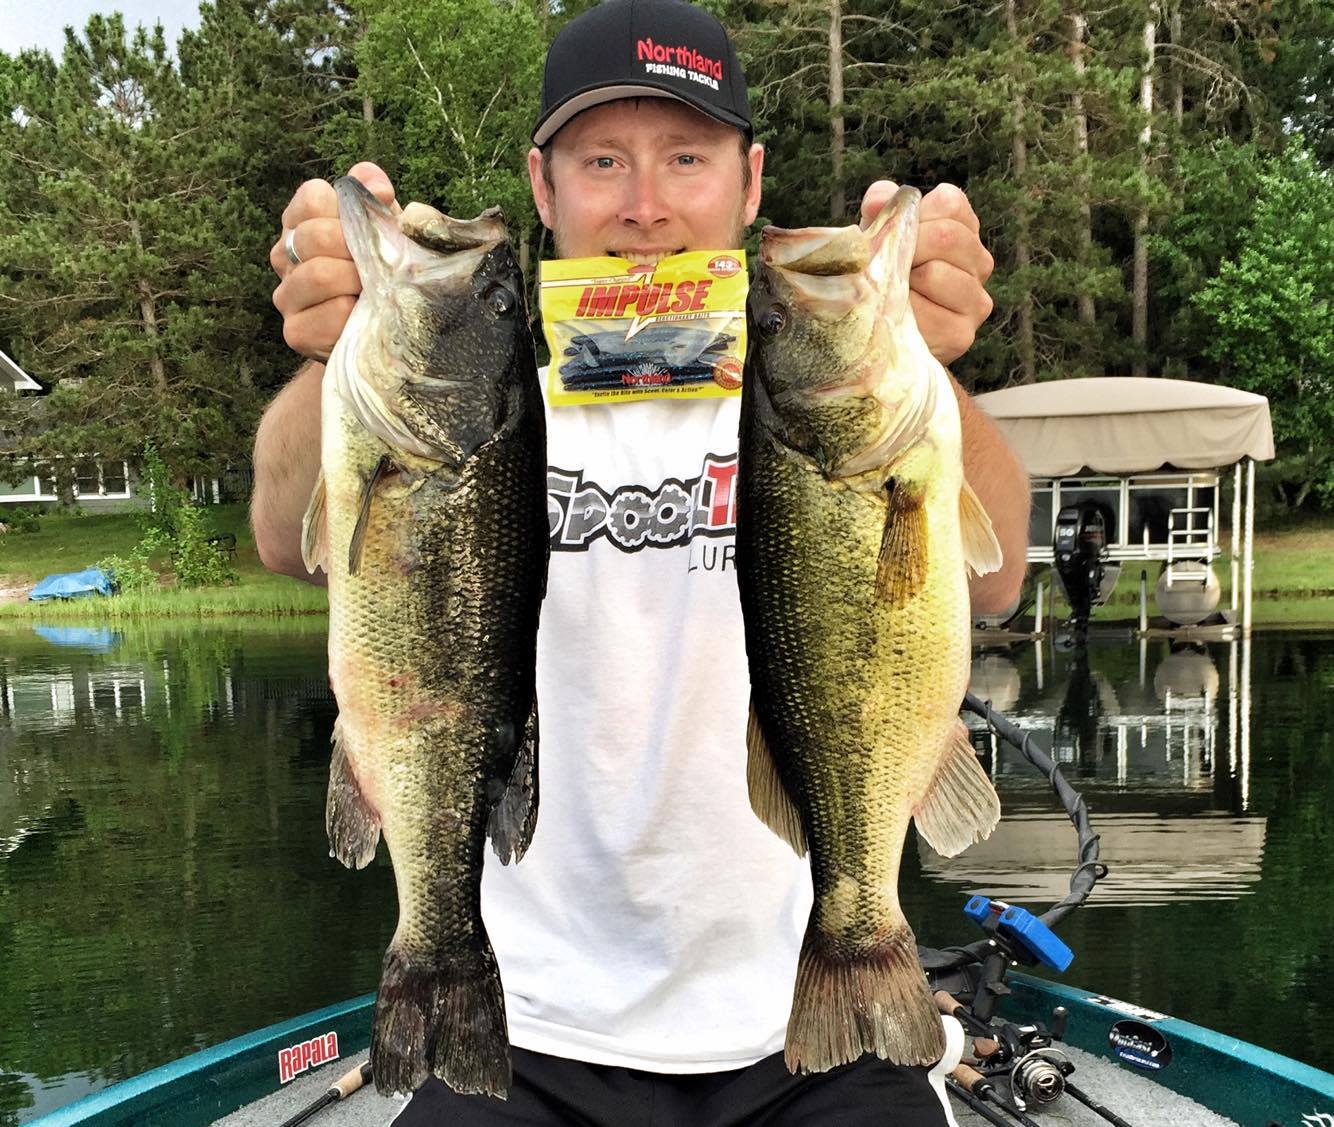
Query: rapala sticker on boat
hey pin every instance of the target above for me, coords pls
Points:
(293, 1061)
(620, 330)
(1140, 1045)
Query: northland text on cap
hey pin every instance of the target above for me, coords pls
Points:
(642, 48)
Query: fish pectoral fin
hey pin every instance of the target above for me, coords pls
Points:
(423, 406)
(981, 549)
(315, 530)
(353, 827)
(960, 806)
(901, 565)
(768, 797)
(383, 468)
(514, 814)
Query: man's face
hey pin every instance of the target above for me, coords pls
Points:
(644, 178)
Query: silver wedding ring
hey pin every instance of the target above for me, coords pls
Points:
(289, 245)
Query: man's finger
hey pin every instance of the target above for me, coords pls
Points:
(374, 179)
(315, 282)
(313, 332)
(877, 195)
(955, 243)
(946, 201)
(314, 199)
(953, 289)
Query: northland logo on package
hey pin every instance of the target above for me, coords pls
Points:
(619, 330)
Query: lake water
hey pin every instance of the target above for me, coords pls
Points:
(165, 883)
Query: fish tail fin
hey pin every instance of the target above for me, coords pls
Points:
(960, 806)
(447, 1021)
(514, 816)
(353, 827)
(850, 1002)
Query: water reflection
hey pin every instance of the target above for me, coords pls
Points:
(1164, 770)
(164, 876)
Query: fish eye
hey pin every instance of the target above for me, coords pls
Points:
(773, 320)
(498, 299)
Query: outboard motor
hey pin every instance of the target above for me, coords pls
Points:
(1080, 553)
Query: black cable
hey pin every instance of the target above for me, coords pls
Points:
(1089, 869)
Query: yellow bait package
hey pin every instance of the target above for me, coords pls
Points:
(619, 330)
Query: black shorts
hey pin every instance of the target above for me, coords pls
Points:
(554, 1092)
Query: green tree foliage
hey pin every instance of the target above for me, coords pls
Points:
(1270, 311)
(452, 107)
(135, 220)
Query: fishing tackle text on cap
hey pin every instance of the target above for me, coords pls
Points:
(642, 48)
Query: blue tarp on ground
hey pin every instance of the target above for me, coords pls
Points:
(72, 585)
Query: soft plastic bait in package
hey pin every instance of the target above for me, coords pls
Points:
(619, 330)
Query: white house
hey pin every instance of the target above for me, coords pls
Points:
(99, 482)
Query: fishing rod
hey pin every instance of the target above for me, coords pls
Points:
(340, 1089)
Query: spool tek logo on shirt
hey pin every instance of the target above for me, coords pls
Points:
(634, 517)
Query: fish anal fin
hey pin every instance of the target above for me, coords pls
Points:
(353, 827)
(383, 468)
(315, 530)
(960, 806)
(768, 797)
(513, 816)
(981, 549)
(901, 566)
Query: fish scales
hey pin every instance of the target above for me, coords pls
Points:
(430, 521)
(858, 646)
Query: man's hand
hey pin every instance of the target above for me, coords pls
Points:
(316, 297)
(950, 267)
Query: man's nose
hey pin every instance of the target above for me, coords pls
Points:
(645, 204)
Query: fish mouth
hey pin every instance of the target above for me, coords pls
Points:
(383, 243)
(831, 270)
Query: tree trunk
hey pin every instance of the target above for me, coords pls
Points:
(1140, 325)
(1022, 255)
(1178, 95)
(148, 310)
(836, 141)
(524, 253)
(1079, 27)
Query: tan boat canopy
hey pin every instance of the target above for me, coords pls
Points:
(1126, 425)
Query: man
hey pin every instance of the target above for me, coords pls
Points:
(649, 938)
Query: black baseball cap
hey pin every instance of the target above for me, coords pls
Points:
(642, 48)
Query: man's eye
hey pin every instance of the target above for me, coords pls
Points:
(687, 159)
(603, 162)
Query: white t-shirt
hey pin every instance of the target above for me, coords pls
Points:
(655, 922)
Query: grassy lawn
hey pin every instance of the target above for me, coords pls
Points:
(1294, 572)
(71, 543)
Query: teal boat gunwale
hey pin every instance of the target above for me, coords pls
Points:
(1234, 1078)
(197, 1090)
(1247, 1083)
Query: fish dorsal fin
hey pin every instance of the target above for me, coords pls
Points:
(768, 797)
(315, 530)
(383, 468)
(981, 549)
(901, 566)
(960, 806)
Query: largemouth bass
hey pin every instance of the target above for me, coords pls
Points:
(430, 522)
(854, 524)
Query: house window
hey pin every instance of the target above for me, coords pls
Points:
(85, 479)
(113, 477)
